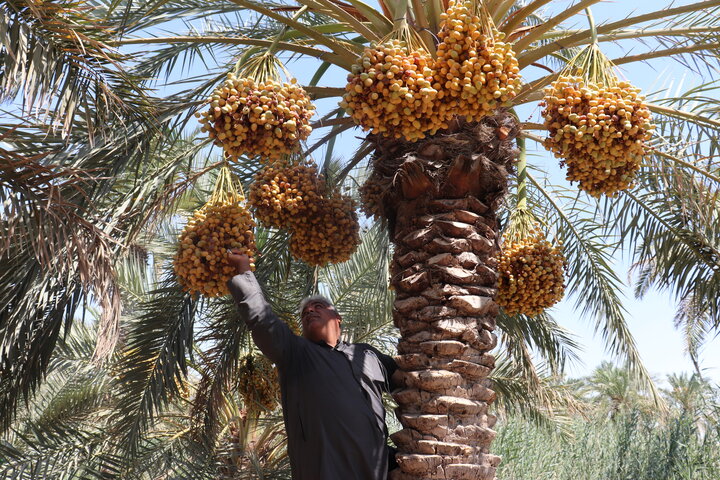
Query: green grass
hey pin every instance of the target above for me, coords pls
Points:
(631, 446)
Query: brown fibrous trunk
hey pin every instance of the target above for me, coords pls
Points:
(441, 200)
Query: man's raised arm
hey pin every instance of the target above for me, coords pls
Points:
(271, 335)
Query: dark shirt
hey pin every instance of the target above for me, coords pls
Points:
(331, 397)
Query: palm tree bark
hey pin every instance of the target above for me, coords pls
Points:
(441, 204)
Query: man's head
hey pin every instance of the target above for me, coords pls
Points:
(320, 321)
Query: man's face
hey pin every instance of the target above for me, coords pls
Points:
(319, 321)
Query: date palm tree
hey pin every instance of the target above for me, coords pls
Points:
(448, 195)
(614, 391)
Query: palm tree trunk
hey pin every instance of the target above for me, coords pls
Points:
(442, 213)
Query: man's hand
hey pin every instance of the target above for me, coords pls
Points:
(240, 261)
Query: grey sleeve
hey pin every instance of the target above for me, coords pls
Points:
(271, 335)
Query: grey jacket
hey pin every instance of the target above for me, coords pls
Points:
(331, 397)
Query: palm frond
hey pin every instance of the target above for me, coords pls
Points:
(687, 129)
(691, 318)
(227, 337)
(35, 308)
(344, 51)
(591, 278)
(154, 361)
(66, 228)
(674, 237)
(42, 208)
(131, 17)
(544, 400)
(55, 57)
(60, 432)
(542, 336)
(551, 23)
(698, 14)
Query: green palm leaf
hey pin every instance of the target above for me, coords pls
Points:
(154, 361)
(55, 57)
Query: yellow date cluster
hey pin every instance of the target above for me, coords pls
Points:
(599, 132)
(266, 119)
(258, 383)
(371, 195)
(330, 235)
(399, 90)
(323, 225)
(476, 72)
(530, 275)
(282, 192)
(390, 92)
(201, 261)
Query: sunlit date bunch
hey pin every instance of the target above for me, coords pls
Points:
(282, 192)
(530, 275)
(201, 263)
(266, 119)
(475, 72)
(330, 235)
(390, 92)
(599, 132)
(258, 383)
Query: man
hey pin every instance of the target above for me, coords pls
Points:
(331, 390)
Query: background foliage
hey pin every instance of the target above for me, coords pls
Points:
(110, 370)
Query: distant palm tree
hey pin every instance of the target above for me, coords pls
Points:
(615, 390)
(89, 184)
(690, 393)
(695, 397)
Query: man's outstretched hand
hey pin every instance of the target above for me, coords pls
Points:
(240, 261)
